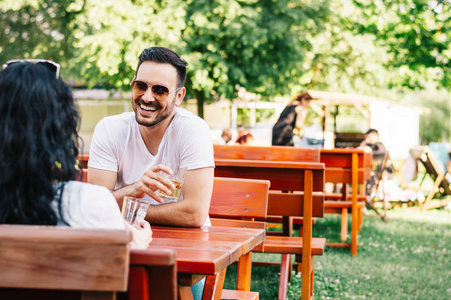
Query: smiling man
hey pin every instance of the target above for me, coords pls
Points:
(128, 150)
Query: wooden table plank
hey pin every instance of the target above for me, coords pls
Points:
(206, 250)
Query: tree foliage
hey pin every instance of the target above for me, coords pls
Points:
(37, 28)
(269, 47)
(417, 34)
(259, 45)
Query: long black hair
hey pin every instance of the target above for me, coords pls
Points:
(38, 143)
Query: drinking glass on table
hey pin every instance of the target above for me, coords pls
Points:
(134, 210)
(177, 179)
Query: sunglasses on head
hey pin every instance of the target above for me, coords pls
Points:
(53, 66)
(159, 91)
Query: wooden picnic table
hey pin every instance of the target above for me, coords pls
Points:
(350, 167)
(205, 251)
(305, 177)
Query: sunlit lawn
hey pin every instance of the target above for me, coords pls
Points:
(409, 257)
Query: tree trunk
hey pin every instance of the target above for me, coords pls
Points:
(200, 103)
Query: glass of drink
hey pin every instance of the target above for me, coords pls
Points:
(177, 179)
(134, 210)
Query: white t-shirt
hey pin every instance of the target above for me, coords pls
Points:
(89, 206)
(117, 146)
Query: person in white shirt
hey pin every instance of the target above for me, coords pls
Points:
(128, 150)
(38, 150)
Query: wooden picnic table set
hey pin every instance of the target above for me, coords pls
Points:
(253, 186)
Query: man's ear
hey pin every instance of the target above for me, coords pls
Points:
(180, 95)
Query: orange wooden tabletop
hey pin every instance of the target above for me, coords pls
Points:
(206, 250)
(268, 164)
(283, 175)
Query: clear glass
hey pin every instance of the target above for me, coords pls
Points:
(134, 210)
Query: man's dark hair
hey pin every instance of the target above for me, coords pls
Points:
(372, 130)
(165, 56)
(303, 95)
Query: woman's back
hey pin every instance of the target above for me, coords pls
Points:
(38, 142)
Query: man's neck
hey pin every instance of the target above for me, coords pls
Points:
(153, 135)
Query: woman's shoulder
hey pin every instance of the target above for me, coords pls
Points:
(90, 206)
(87, 191)
(85, 186)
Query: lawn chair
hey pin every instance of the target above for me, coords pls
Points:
(374, 187)
(441, 186)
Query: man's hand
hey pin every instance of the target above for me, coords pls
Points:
(148, 184)
(151, 181)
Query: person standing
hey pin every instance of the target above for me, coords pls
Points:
(129, 150)
(291, 120)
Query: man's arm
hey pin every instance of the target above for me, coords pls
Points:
(147, 184)
(193, 210)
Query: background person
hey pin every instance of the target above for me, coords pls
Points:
(371, 143)
(244, 136)
(291, 121)
(225, 137)
(38, 150)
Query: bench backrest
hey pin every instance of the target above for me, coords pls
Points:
(63, 258)
(239, 198)
(269, 153)
(283, 176)
(338, 164)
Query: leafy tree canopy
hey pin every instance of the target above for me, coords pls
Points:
(269, 47)
(417, 34)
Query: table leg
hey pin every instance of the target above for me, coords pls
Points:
(307, 236)
(243, 281)
(214, 285)
(354, 212)
(185, 293)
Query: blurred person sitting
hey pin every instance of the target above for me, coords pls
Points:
(244, 136)
(371, 143)
(38, 148)
(225, 137)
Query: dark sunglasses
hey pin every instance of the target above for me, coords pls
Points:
(160, 92)
(53, 66)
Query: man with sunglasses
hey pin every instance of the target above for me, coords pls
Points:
(128, 150)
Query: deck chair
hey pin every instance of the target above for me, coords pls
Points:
(374, 186)
(441, 186)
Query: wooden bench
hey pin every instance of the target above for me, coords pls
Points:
(301, 180)
(273, 153)
(51, 262)
(236, 203)
(351, 168)
(339, 168)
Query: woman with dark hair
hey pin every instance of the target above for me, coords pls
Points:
(38, 149)
(291, 120)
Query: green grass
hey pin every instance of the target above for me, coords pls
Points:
(409, 257)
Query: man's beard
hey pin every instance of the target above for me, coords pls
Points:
(160, 117)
